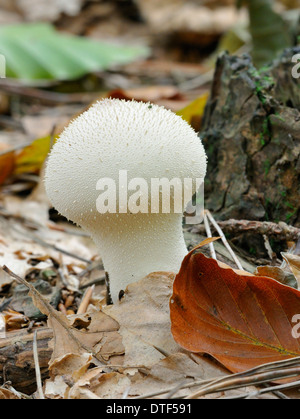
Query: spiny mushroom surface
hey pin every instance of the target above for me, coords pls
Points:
(145, 142)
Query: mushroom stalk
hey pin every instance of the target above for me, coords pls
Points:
(131, 249)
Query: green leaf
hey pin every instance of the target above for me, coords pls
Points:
(39, 52)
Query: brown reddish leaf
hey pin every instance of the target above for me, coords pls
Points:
(7, 163)
(243, 321)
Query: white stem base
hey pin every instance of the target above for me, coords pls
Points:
(134, 245)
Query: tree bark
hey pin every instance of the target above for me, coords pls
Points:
(251, 131)
(16, 358)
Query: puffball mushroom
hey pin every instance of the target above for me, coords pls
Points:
(145, 142)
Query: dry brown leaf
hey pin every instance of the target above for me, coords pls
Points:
(168, 96)
(278, 274)
(294, 263)
(37, 10)
(14, 320)
(145, 335)
(175, 370)
(95, 384)
(180, 15)
(5, 279)
(6, 394)
(7, 163)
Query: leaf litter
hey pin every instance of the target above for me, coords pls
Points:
(109, 351)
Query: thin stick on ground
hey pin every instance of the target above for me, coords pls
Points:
(224, 240)
(38, 240)
(257, 376)
(37, 368)
(274, 389)
(86, 300)
(280, 231)
(209, 235)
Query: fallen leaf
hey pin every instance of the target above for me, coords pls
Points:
(8, 395)
(32, 157)
(98, 385)
(173, 370)
(294, 263)
(7, 163)
(193, 113)
(242, 321)
(168, 96)
(37, 10)
(14, 320)
(146, 338)
(285, 278)
(5, 280)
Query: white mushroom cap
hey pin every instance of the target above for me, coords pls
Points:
(148, 142)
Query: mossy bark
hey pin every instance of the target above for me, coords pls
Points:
(251, 131)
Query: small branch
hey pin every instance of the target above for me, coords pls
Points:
(209, 235)
(279, 231)
(47, 97)
(38, 240)
(86, 300)
(37, 367)
(237, 381)
(224, 240)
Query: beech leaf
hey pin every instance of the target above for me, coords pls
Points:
(243, 321)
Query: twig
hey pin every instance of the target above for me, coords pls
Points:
(86, 300)
(237, 381)
(280, 231)
(51, 246)
(48, 97)
(197, 81)
(224, 240)
(273, 389)
(97, 281)
(37, 367)
(208, 233)
(90, 268)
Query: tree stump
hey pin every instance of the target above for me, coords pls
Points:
(251, 131)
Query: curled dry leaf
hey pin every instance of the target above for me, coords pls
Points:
(278, 274)
(6, 394)
(294, 264)
(242, 321)
(14, 320)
